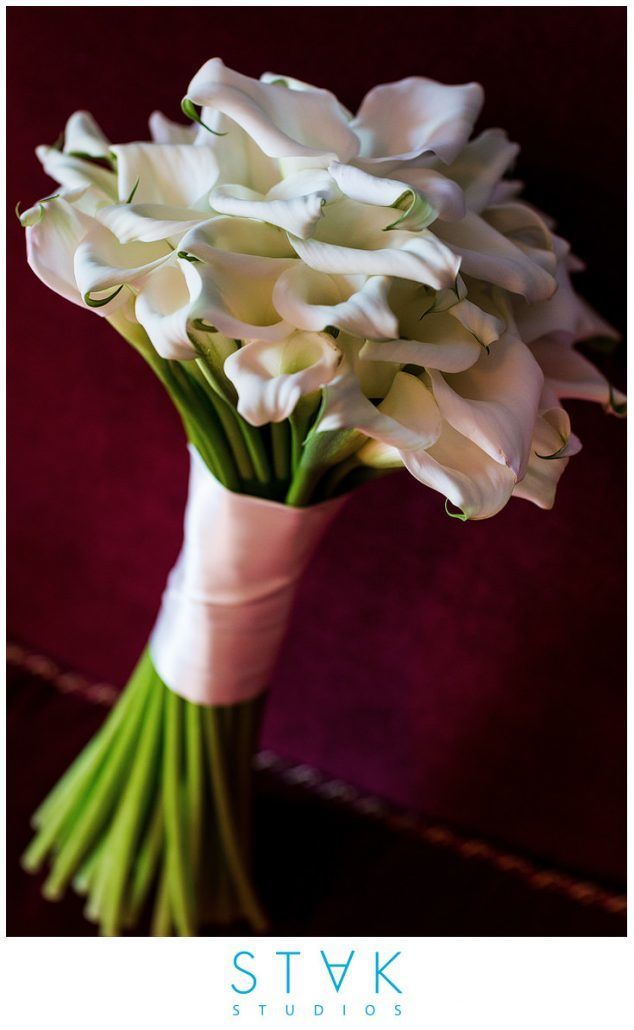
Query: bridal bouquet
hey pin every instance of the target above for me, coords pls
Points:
(325, 297)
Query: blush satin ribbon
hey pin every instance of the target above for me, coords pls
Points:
(228, 598)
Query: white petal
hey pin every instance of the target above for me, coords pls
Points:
(440, 343)
(51, 242)
(283, 122)
(165, 173)
(569, 374)
(312, 300)
(223, 302)
(82, 136)
(74, 172)
(271, 377)
(480, 166)
(487, 254)
(103, 264)
(552, 445)
(445, 196)
(486, 328)
(162, 308)
(297, 215)
(469, 478)
(527, 229)
(402, 120)
(565, 312)
(163, 130)
(350, 240)
(407, 418)
(495, 402)
(148, 223)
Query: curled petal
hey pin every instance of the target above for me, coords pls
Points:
(162, 307)
(489, 255)
(552, 445)
(465, 474)
(569, 374)
(563, 313)
(270, 377)
(294, 205)
(444, 195)
(283, 122)
(148, 223)
(486, 328)
(314, 300)
(441, 343)
(402, 120)
(358, 185)
(103, 266)
(495, 402)
(222, 303)
(52, 237)
(350, 240)
(407, 418)
(73, 172)
(83, 136)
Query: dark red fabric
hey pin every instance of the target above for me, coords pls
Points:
(472, 671)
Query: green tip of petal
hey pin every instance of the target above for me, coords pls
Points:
(189, 109)
(93, 303)
(204, 327)
(133, 190)
(184, 256)
(460, 515)
(613, 406)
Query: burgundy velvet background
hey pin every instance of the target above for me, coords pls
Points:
(474, 672)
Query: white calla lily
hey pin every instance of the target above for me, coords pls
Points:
(495, 402)
(552, 445)
(480, 166)
(283, 122)
(406, 419)
(164, 130)
(465, 474)
(73, 172)
(402, 120)
(420, 194)
(314, 300)
(295, 204)
(82, 136)
(54, 230)
(148, 223)
(103, 266)
(351, 239)
(270, 378)
(163, 308)
(570, 375)
(174, 174)
(487, 254)
(441, 342)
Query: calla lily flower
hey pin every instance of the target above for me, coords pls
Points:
(382, 259)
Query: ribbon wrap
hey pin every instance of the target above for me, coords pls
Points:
(228, 598)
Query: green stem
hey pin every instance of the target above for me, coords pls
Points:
(99, 803)
(178, 871)
(229, 419)
(226, 827)
(126, 827)
(280, 438)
